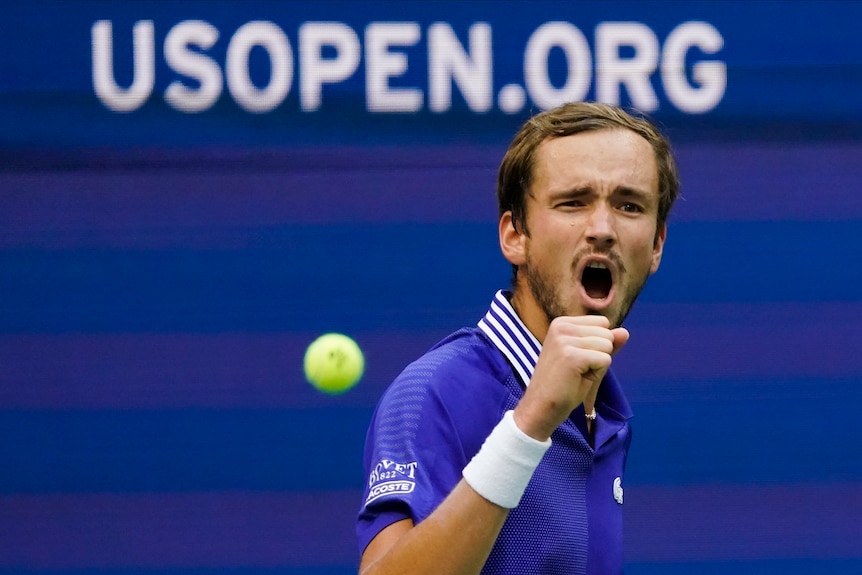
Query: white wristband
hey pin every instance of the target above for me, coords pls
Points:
(503, 467)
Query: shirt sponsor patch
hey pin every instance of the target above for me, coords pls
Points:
(391, 478)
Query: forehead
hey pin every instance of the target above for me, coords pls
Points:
(601, 160)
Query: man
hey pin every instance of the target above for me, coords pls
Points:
(502, 449)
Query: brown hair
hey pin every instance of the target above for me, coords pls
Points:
(516, 170)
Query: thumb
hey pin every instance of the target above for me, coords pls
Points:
(621, 336)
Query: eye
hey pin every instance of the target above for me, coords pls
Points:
(631, 207)
(571, 204)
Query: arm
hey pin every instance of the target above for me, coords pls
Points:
(457, 538)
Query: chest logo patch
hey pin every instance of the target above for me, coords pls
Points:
(390, 478)
(618, 490)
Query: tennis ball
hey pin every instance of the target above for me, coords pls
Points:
(333, 363)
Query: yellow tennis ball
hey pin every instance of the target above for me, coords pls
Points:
(333, 363)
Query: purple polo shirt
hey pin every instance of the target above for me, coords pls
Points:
(437, 413)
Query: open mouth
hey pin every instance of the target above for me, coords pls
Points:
(597, 280)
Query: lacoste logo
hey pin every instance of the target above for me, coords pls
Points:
(389, 477)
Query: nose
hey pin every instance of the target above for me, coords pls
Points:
(600, 231)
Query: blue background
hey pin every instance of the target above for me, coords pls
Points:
(161, 274)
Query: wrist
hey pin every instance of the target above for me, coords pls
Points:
(533, 427)
(504, 465)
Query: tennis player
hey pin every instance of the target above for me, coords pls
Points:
(502, 449)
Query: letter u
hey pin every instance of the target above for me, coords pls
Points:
(144, 68)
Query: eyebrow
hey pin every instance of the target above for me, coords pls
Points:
(628, 192)
(572, 193)
(623, 191)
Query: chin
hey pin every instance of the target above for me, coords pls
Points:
(613, 317)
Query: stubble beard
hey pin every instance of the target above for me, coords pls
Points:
(547, 296)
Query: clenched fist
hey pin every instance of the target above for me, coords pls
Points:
(575, 356)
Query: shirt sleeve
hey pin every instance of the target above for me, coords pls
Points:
(427, 426)
(413, 455)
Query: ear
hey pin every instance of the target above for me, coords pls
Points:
(512, 242)
(658, 248)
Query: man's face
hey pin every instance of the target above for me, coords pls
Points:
(592, 222)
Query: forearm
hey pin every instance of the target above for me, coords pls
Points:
(455, 539)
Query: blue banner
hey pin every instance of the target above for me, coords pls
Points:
(192, 192)
(292, 73)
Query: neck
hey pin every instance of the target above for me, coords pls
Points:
(530, 312)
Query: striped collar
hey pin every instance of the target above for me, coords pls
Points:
(506, 330)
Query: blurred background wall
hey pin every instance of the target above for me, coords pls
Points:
(191, 192)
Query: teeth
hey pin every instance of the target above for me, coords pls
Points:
(597, 265)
